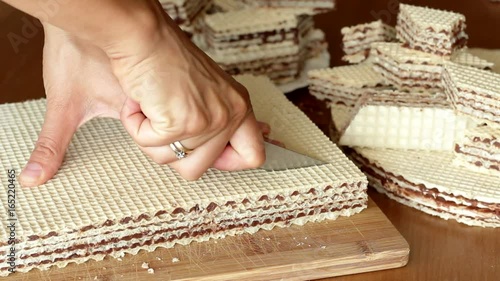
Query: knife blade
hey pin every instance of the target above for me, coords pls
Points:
(279, 159)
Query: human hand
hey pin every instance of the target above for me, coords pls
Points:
(176, 93)
(80, 85)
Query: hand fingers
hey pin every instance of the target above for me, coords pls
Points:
(165, 154)
(144, 134)
(246, 148)
(246, 151)
(61, 122)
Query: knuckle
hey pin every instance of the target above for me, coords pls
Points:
(221, 118)
(196, 124)
(46, 148)
(241, 106)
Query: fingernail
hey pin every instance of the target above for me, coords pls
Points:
(30, 175)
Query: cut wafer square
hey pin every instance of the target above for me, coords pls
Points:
(431, 30)
(473, 92)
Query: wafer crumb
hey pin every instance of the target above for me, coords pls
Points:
(145, 265)
(119, 259)
(174, 260)
(151, 271)
(158, 258)
(323, 247)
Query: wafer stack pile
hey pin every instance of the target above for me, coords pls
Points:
(424, 125)
(273, 38)
(110, 199)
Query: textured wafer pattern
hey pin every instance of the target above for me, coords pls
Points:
(356, 76)
(431, 30)
(428, 181)
(465, 58)
(300, 6)
(402, 127)
(251, 20)
(107, 188)
(473, 91)
(229, 5)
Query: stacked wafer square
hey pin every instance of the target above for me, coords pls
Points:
(277, 39)
(431, 30)
(433, 105)
(110, 199)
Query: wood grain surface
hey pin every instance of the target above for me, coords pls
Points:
(440, 250)
(364, 242)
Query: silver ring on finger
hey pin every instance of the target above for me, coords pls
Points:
(180, 150)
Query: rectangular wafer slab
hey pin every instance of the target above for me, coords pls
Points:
(110, 199)
(260, 41)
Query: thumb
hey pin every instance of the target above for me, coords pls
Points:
(59, 126)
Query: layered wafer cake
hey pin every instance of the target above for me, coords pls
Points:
(473, 92)
(357, 40)
(110, 199)
(186, 13)
(272, 42)
(479, 150)
(431, 30)
(428, 181)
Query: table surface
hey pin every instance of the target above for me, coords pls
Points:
(440, 250)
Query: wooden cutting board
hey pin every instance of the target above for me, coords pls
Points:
(361, 243)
